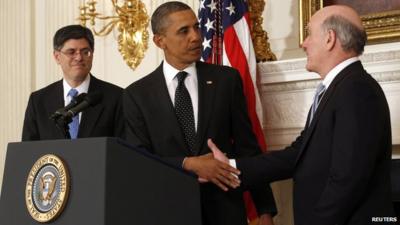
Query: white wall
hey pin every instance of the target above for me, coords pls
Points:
(281, 21)
(16, 70)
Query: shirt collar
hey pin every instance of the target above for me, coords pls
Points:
(336, 70)
(170, 71)
(82, 88)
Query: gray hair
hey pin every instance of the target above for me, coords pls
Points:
(159, 19)
(351, 37)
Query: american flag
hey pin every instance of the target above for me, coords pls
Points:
(225, 26)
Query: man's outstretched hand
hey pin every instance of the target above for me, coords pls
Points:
(214, 167)
(216, 152)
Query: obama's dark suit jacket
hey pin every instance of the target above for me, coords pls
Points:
(222, 116)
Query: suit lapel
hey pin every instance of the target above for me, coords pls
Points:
(324, 101)
(159, 96)
(91, 115)
(206, 91)
(55, 102)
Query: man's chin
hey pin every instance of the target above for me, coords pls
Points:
(195, 58)
(309, 68)
(80, 72)
(80, 76)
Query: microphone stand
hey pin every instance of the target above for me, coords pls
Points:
(62, 121)
(62, 117)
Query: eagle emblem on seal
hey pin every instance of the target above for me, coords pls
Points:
(47, 187)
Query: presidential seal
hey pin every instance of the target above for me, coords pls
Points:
(47, 188)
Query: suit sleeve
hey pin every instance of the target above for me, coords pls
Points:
(270, 167)
(246, 144)
(30, 130)
(257, 172)
(119, 121)
(136, 130)
(361, 121)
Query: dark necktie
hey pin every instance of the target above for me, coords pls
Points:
(184, 111)
(317, 98)
(74, 125)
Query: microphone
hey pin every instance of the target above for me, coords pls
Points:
(90, 99)
(75, 101)
(62, 117)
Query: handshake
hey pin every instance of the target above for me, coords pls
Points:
(213, 167)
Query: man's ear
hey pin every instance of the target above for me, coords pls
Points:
(57, 55)
(159, 41)
(330, 39)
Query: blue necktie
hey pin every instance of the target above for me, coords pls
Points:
(317, 98)
(74, 125)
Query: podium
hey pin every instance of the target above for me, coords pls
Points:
(111, 183)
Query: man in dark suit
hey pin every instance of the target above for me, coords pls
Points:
(73, 51)
(340, 163)
(158, 121)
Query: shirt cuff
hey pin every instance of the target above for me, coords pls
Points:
(232, 162)
(183, 162)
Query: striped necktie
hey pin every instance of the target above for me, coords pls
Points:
(317, 98)
(74, 125)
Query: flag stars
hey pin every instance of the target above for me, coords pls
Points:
(209, 25)
(212, 6)
(206, 44)
(202, 4)
(231, 9)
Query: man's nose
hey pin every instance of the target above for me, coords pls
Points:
(304, 44)
(78, 56)
(195, 35)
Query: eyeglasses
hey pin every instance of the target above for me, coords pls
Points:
(72, 53)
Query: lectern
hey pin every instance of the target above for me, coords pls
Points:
(110, 183)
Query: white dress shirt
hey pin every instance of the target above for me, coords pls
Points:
(190, 83)
(336, 70)
(82, 88)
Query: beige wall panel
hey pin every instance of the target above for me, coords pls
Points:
(50, 15)
(15, 70)
(281, 21)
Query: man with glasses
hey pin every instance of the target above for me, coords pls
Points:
(73, 51)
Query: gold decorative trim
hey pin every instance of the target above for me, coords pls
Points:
(132, 21)
(384, 26)
(133, 37)
(307, 9)
(380, 27)
(258, 35)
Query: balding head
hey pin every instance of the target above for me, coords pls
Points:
(340, 10)
(347, 25)
(335, 33)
